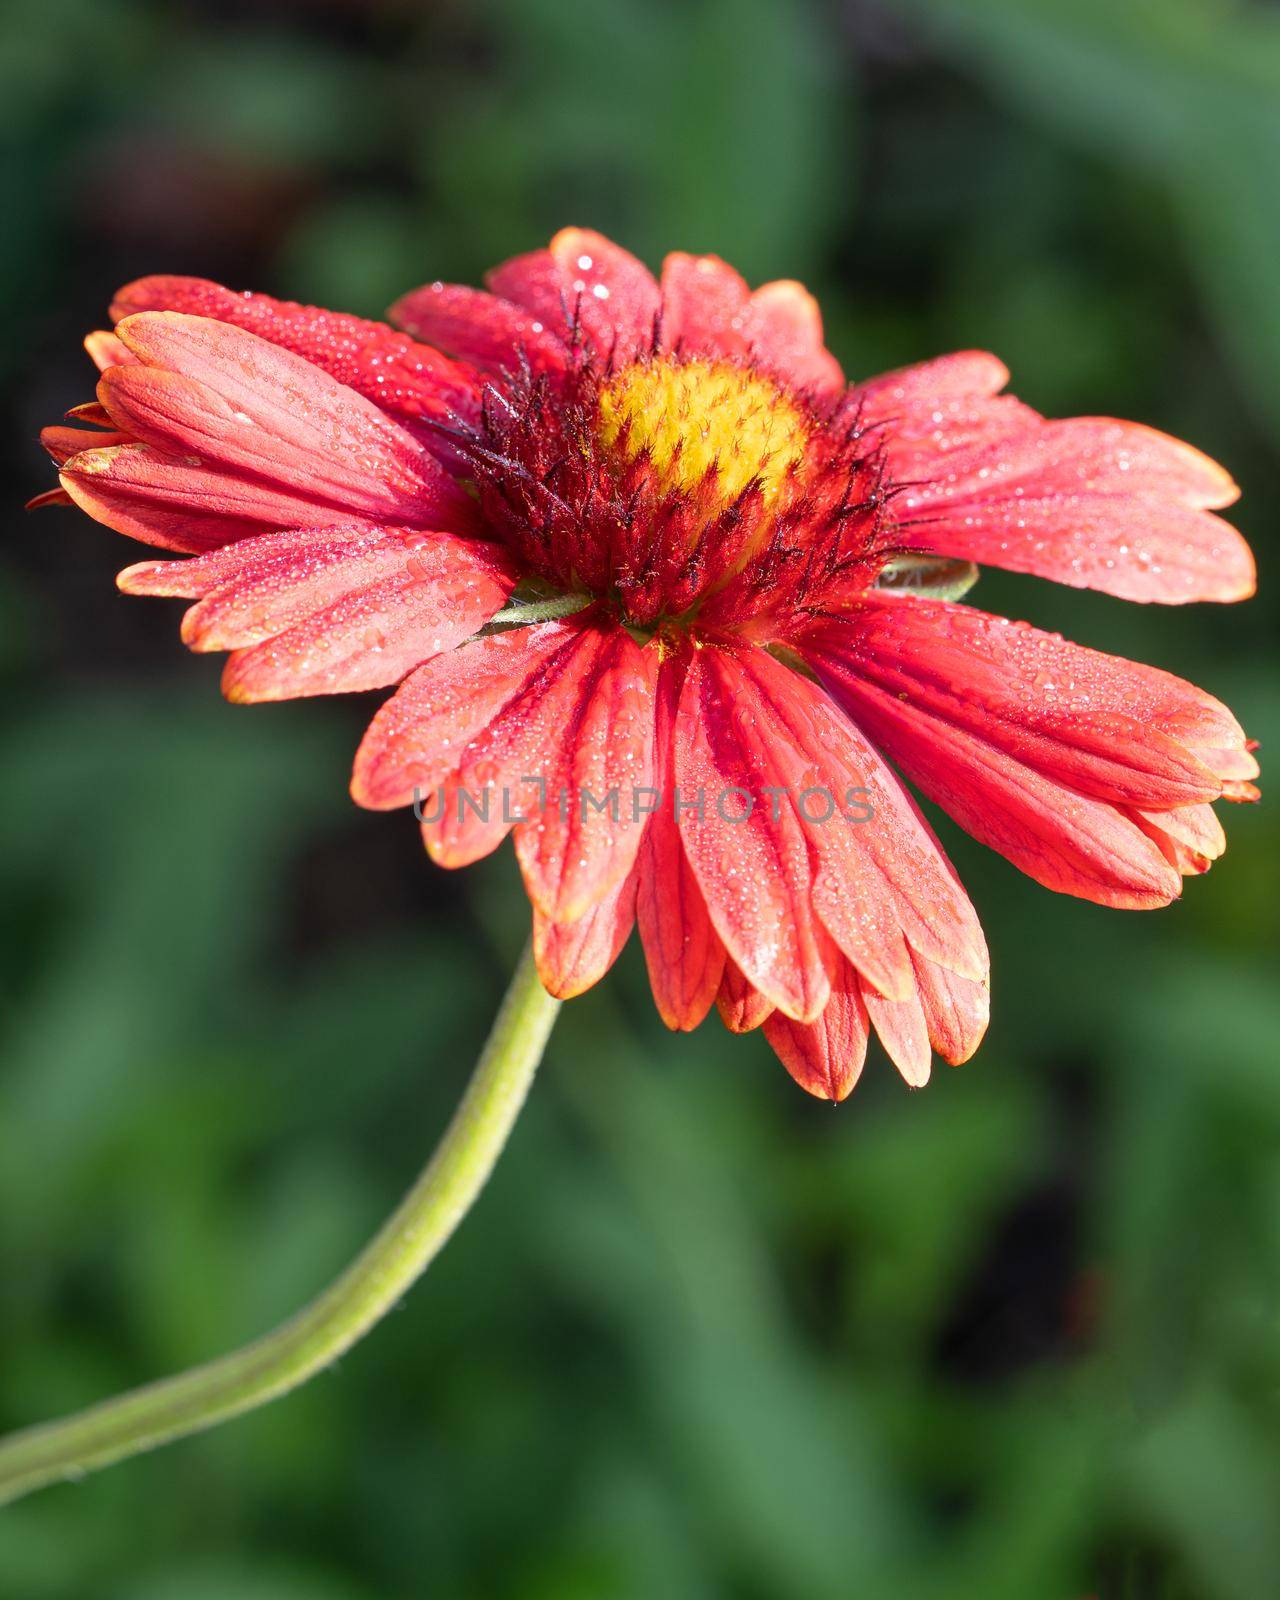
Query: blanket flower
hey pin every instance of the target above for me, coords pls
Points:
(663, 595)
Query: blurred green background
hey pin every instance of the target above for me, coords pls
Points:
(1015, 1337)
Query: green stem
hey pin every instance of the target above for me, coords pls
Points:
(369, 1288)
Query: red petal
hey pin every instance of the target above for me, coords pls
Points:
(741, 1006)
(212, 390)
(584, 281)
(63, 443)
(483, 329)
(1136, 547)
(1090, 502)
(1091, 455)
(782, 327)
(106, 350)
(1192, 838)
(569, 704)
(1059, 837)
(755, 874)
(404, 378)
(177, 502)
(305, 616)
(682, 950)
(826, 1056)
(50, 497)
(572, 956)
(461, 826)
(956, 1010)
(431, 727)
(703, 300)
(1053, 502)
(1106, 727)
(708, 310)
(448, 584)
(601, 274)
(291, 574)
(942, 1010)
(1230, 764)
(904, 1032)
(877, 885)
(1020, 734)
(937, 409)
(599, 749)
(330, 610)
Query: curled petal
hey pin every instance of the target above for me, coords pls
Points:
(178, 502)
(107, 350)
(62, 443)
(826, 1056)
(903, 1031)
(943, 1012)
(956, 1010)
(406, 379)
(1192, 838)
(239, 437)
(573, 956)
(92, 414)
(741, 1006)
(211, 391)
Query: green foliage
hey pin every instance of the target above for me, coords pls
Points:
(1013, 1336)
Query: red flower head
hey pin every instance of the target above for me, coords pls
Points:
(660, 593)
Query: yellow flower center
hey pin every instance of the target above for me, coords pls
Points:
(698, 417)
